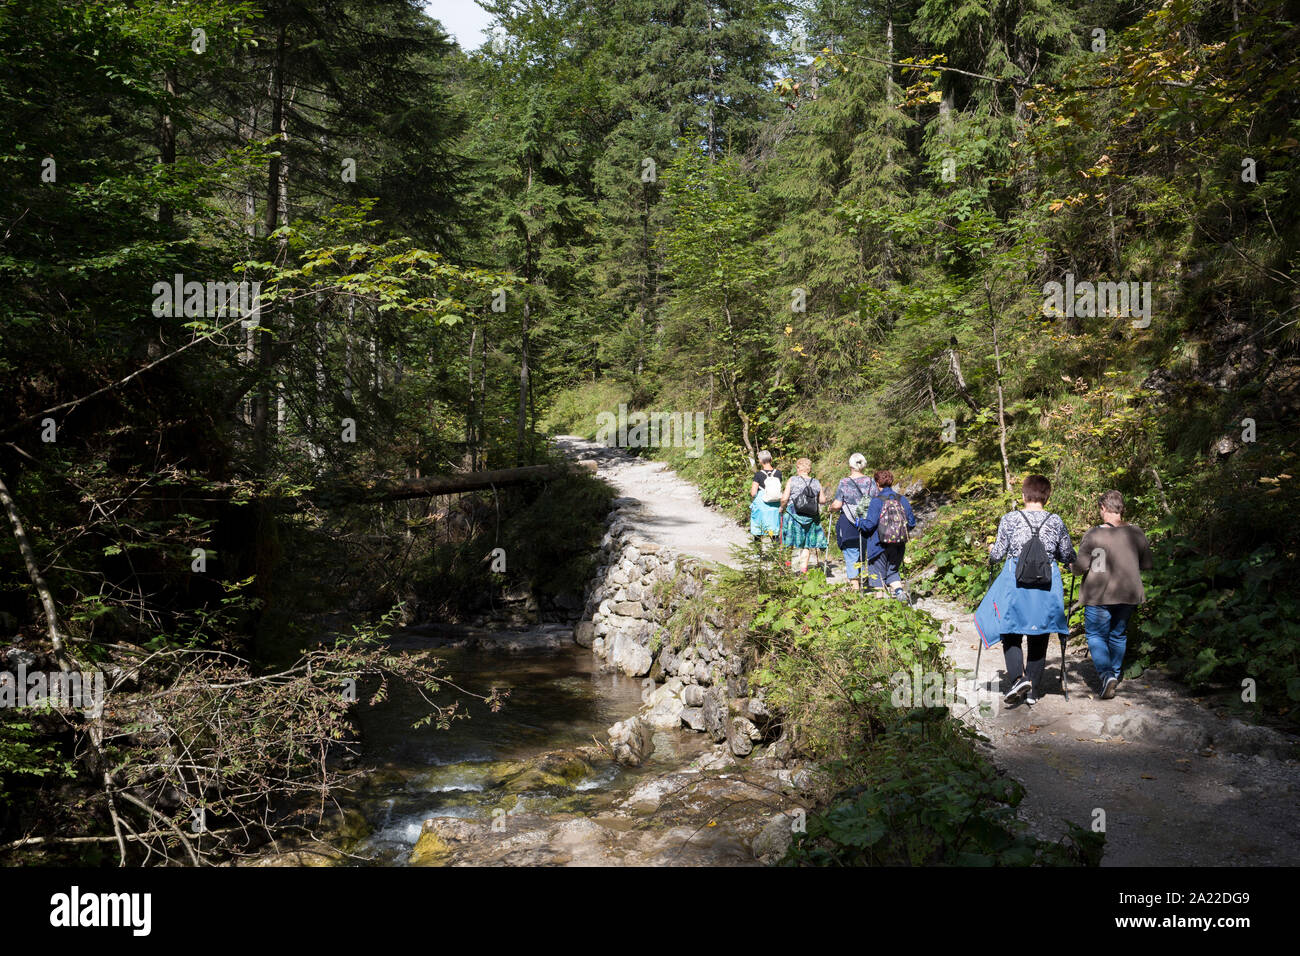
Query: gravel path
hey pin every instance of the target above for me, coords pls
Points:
(1179, 784)
(671, 511)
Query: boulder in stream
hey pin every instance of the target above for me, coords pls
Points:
(632, 741)
(430, 850)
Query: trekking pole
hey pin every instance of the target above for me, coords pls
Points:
(862, 555)
(780, 539)
(980, 651)
(1064, 637)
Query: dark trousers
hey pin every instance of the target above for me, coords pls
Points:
(1033, 667)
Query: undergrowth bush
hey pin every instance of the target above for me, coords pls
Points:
(932, 801)
(901, 784)
(574, 411)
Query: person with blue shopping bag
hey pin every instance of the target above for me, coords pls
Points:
(1026, 603)
(765, 501)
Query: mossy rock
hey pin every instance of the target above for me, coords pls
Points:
(535, 779)
(947, 471)
(430, 850)
(564, 764)
(557, 770)
(351, 827)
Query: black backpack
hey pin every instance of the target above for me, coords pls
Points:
(805, 503)
(1033, 568)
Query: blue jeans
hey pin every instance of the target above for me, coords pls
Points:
(851, 558)
(1106, 626)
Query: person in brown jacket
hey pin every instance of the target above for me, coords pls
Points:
(1111, 557)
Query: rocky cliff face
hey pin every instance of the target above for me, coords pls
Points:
(646, 615)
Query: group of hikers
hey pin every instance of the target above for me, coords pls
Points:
(1025, 603)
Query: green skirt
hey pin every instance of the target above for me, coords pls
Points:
(801, 532)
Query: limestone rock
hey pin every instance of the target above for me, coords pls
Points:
(741, 736)
(631, 609)
(629, 655)
(693, 717)
(632, 741)
(714, 711)
(774, 839)
(667, 715)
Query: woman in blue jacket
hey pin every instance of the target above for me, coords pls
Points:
(1035, 612)
(885, 557)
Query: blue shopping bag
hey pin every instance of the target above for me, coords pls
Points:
(992, 610)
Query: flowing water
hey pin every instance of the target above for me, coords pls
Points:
(557, 699)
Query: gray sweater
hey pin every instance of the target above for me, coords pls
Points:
(1113, 557)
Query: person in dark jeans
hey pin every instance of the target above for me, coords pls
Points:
(1034, 613)
(885, 559)
(1112, 557)
(853, 493)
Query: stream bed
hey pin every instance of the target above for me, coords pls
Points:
(559, 699)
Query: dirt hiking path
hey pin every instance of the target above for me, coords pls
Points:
(671, 512)
(1180, 785)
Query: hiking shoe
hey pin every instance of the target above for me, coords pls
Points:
(1017, 692)
(1108, 688)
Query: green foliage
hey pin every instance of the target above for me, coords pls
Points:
(26, 753)
(956, 545)
(908, 786)
(932, 802)
(575, 410)
(1214, 620)
(828, 657)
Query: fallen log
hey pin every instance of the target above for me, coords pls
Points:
(407, 488)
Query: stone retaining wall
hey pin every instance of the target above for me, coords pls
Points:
(695, 669)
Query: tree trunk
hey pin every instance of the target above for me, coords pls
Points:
(523, 387)
(1002, 419)
(274, 188)
(712, 94)
(889, 79)
(469, 399)
(482, 401)
(167, 146)
(954, 365)
(34, 572)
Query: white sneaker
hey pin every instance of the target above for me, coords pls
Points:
(1017, 692)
